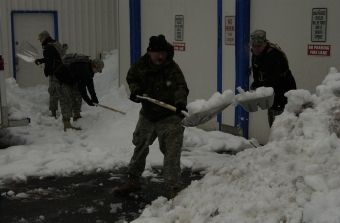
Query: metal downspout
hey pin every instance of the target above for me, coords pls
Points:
(242, 59)
(135, 30)
(219, 56)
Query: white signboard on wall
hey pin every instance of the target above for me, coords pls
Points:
(319, 24)
(229, 30)
(179, 27)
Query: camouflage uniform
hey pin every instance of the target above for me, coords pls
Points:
(75, 80)
(170, 136)
(70, 100)
(166, 83)
(53, 92)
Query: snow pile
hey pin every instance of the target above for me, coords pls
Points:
(331, 84)
(51, 151)
(105, 141)
(215, 100)
(294, 178)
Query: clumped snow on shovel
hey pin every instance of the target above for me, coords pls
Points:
(216, 100)
(258, 93)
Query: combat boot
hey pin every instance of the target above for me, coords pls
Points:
(54, 114)
(67, 125)
(172, 192)
(76, 116)
(131, 185)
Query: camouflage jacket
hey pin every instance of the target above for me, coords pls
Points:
(164, 82)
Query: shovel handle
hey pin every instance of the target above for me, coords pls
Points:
(162, 104)
(112, 109)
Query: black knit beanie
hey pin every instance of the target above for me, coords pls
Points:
(157, 43)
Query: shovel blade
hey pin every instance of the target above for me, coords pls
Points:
(204, 116)
(29, 53)
(26, 58)
(28, 47)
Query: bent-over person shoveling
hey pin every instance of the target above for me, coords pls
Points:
(75, 75)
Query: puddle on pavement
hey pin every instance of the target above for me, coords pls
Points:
(79, 198)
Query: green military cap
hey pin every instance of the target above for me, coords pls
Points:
(99, 64)
(43, 35)
(258, 37)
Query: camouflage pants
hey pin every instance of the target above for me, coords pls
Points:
(170, 136)
(70, 100)
(271, 115)
(53, 91)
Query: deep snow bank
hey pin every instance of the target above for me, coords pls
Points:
(294, 178)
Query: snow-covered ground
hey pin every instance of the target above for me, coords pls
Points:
(294, 178)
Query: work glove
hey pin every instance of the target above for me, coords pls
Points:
(89, 102)
(38, 61)
(255, 85)
(180, 107)
(133, 96)
(95, 100)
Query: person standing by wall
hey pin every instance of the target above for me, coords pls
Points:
(270, 69)
(51, 59)
(158, 76)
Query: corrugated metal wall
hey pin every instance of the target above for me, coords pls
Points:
(87, 26)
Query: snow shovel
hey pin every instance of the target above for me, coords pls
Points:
(252, 104)
(194, 119)
(27, 52)
(204, 116)
(29, 48)
(112, 109)
(25, 57)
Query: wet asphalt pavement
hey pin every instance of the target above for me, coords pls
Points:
(79, 198)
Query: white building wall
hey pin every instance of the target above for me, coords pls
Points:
(123, 40)
(288, 23)
(87, 26)
(198, 61)
(200, 38)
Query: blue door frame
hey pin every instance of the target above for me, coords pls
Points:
(241, 50)
(15, 12)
